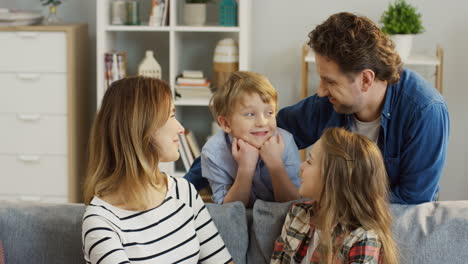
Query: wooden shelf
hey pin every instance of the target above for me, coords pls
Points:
(436, 61)
(192, 102)
(417, 59)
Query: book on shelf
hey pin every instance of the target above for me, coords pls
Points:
(183, 80)
(159, 13)
(193, 91)
(183, 155)
(115, 66)
(192, 143)
(187, 150)
(192, 74)
(206, 84)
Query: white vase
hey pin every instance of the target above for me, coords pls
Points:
(194, 14)
(403, 44)
(225, 61)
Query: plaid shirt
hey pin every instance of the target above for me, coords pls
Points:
(359, 246)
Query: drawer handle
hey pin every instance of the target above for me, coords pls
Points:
(29, 117)
(28, 76)
(29, 158)
(28, 34)
(30, 198)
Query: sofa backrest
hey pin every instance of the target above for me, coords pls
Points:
(51, 233)
(427, 233)
(39, 233)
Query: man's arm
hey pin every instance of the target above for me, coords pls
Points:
(423, 156)
(304, 120)
(194, 175)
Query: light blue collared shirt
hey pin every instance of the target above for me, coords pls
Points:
(220, 168)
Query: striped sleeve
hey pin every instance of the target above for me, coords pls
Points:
(101, 244)
(212, 248)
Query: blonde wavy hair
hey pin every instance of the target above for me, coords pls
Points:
(121, 147)
(240, 83)
(356, 43)
(354, 192)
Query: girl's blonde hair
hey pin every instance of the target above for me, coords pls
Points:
(121, 148)
(241, 83)
(354, 192)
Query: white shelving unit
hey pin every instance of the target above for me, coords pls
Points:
(176, 47)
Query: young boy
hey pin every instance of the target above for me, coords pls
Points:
(251, 158)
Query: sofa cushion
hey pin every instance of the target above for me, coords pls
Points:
(231, 221)
(432, 232)
(41, 233)
(428, 233)
(268, 219)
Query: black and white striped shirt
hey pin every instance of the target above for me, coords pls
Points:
(180, 230)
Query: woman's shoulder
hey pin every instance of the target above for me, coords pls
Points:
(181, 189)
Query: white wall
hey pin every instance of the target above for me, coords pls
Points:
(280, 28)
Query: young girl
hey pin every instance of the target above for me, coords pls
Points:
(348, 219)
(135, 213)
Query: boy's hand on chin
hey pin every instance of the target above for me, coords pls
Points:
(245, 154)
(272, 150)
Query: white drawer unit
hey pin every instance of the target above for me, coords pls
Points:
(20, 92)
(33, 133)
(44, 101)
(35, 175)
(33, 51)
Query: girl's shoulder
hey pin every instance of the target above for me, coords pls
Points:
(305, 205)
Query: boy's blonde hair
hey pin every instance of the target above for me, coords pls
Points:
(240, 83)
(122, 151)
(354, 192)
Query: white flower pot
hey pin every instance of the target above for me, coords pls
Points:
(194, 14)
(403, 44)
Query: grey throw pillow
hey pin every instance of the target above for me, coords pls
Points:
(268, 219)
(231, 221)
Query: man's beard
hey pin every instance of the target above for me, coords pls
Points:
(346, 109)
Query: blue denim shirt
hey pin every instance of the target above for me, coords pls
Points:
(413, 136)
(220, 168)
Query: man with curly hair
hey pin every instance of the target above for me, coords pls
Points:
(364, 88)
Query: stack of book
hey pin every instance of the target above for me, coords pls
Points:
(193, 84)
(188, 148)
(116, 66)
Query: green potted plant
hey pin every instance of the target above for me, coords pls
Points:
(402, 21)
(52, 17)
(195, 12)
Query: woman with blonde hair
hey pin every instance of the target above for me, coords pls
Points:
(136, 213)
(348, 219)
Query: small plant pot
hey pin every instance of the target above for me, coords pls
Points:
(403, 45)
(194, 14)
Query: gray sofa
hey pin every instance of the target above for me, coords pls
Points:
(51, 233)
